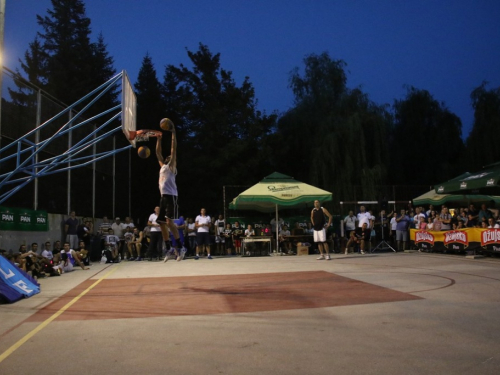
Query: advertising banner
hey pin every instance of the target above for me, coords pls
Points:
(21, 219)
(458, 240)
(14, 283)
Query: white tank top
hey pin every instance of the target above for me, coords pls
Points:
(167, 181)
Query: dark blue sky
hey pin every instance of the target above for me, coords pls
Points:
(447, 47)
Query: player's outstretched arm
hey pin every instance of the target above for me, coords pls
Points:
(173, 151)
(159, 155)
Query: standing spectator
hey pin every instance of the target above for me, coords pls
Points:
(364, 237)
(156, 243)
(85, 233)
(484, 213)
(438, 225)
(429, 211)
(403, 223)
(318, 221)
(492, 223)
(118, 230)
(430, 224)
(202, 223)
(228, 241)
(71, 230)
(445, 219)
(180, 224)
(237, 234)
(219, 227)
(273, 225)
(473, 216)
(128, 223)
(417, 217)
(363, 217)
(393, 228)
(105, 226)
(191, 234)
(350, 222)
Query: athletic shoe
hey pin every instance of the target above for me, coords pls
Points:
(138, 259)
(328, 257)
(362, 252)
(178, 258)
(196, 257)
(210, 257)
(321, 257)
(166, 258)
(183, 252)
(131, 259)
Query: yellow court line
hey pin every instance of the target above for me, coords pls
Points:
(44, 324)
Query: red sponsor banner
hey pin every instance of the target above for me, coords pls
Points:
(456, 236)
(490, 237)
(424, 236)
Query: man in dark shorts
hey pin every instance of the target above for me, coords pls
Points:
(168, 191)
(318, 221)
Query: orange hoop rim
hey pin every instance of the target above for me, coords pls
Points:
(143, 135)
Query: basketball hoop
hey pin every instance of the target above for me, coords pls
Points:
(143, 135)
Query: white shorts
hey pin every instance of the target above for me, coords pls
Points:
(68, 267)
(320, 235)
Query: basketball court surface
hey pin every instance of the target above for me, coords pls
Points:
(356, 314)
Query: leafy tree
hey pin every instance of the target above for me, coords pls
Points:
(219, 129)
(334, 136)
(34, 67)
(66, 32)
(482, 143)
(426, 134)
(150, 105)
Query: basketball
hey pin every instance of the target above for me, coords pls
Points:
(143, 152)
(166, 124)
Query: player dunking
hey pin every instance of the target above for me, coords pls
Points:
(168, 191)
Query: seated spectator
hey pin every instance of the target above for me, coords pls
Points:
(68, 259)
(353, 241)
(460, 225)
(284, 241)
(82, 253)
(135, 244)
(128, 236)
(111, 247)
(249, 232)
(297, 231)
(484, 225)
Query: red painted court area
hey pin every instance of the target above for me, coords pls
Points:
(201, 295)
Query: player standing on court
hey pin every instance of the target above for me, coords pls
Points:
(318, 221)
(168, 191)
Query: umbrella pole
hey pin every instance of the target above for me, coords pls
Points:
(278, 250)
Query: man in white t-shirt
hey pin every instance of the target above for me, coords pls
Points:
(202, 224)
(363, 217)
(155, 250)
(220, 225)
(416, 218)
(350, 222)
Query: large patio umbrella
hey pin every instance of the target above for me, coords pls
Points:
(279, 191)
(486, 181)
(431, 197)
